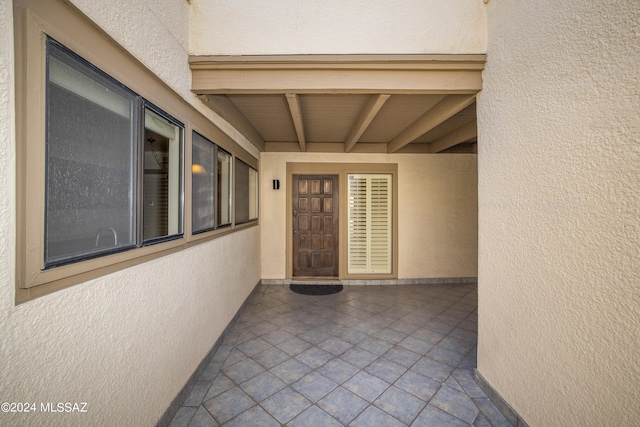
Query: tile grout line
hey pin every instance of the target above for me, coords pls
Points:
(377, 314)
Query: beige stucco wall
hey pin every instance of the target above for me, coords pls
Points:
(157, 32)
(125, 343)
(437, 212)
(255, 27)
(559, 209)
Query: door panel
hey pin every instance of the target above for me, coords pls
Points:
(315, 225)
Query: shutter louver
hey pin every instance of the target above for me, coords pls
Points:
(369, 230)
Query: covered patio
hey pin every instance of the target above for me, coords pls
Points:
(366, 356)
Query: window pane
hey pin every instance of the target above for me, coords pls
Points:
(253, 194)
(162, 184)
(224, 188)
(242, 184)
(203, 184)
(246, 192)
(90, 170)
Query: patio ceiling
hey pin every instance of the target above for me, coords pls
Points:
(345, 103)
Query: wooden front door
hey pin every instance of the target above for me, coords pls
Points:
(315, 225)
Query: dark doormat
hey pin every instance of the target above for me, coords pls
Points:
(315, 289)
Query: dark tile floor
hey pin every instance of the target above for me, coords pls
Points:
(367, 356)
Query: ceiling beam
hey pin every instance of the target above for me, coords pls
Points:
(440, 112)
(296, 115)
(365, 74)
(327, 81)
(226, 109)
(460, 135)
(369, 111)
(343, 61)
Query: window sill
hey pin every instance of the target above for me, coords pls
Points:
(48, 281)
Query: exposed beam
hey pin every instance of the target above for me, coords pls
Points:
(228, 111)
(365, 74)
(333, 147)
(462, 134)
(387, 61)
(370, 110)
(440, 112)
(296, 115)
(326, 81)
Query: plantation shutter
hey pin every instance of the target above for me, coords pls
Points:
(369, 230)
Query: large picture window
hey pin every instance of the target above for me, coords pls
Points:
(90, 186)
(92, 191)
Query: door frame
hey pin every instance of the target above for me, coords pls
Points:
(335, 232)
(342, 170)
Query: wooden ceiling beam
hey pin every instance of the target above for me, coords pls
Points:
(342, 61)
(440, 112)
(458, 136)
(367, 115)
(365, 74)
(296, 115)
(226, 109)
(325, 81)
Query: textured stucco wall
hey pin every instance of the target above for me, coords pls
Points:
(254, 27)
(437, 212)
(157, 32)
(559, 209)
(125, 343)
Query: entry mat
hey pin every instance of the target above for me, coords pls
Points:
(315, 289)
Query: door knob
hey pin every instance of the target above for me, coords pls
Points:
(295, 213)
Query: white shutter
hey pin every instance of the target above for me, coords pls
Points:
(357, 239)
(369, 230)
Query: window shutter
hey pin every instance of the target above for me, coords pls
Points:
(369, 230)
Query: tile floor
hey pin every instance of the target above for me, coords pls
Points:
(367, 356)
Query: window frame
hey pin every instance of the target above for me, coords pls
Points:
(214, 176)
(364, 208)
(215, 190)
(33, 22)
(230, 199)
(54, 49)
(141, 109)
(237, 203)
(148, 106)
